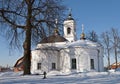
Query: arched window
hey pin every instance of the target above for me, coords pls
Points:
(68, 30)
(73, 65)
(53, 66)
(92, 63)
(39, 66)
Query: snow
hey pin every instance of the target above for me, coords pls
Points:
(55, 77)
(59, 45)
(78, 43)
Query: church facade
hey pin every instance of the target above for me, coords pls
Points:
(66, 53)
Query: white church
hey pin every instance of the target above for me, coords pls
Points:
(66, 53)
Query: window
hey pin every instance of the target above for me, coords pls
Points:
(68, 30)
(39, 66)
(92, 63)
(53, 66)
(73, 66)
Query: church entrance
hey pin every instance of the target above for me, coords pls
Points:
(73, 63)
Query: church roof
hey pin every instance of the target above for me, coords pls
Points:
(19, 62)
(19, 65)
(84, 43)
(53, 39)
(80, 43)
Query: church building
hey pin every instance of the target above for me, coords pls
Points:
(66, 53)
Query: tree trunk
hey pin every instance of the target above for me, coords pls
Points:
(27, 42)
(116, 58)
(108, 59)
(27, 52)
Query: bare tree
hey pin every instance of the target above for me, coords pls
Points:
(26, 21)
(92, 36)
(105, 38)
(115, 43)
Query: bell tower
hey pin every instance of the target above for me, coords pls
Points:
(69, 28)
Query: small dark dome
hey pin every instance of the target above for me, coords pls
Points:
(70, 17)
(53, 39)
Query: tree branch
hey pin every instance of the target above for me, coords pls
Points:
(10, 22)
(13, 12)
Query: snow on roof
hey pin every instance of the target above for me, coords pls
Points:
(78, 43)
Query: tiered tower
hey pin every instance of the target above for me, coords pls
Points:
(69, 28)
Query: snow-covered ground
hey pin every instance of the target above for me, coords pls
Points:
(61, 78)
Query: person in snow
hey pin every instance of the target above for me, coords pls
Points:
(44, 73)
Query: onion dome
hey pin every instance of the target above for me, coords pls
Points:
(82, 36)
(55, 37)
(70, 15)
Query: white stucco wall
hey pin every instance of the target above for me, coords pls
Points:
(82, 56)
(71, 24)
(101, 56)
(46, 58)
(62, 56)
